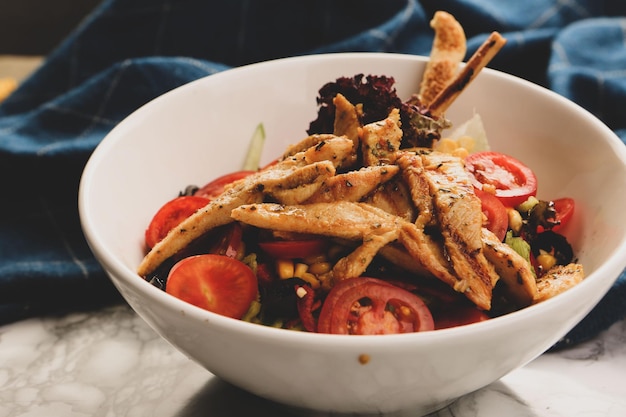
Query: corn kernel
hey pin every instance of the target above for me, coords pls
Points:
(446, 145)
(546, 260)
(311, 279)
(515, 219)
(404, 312)
(489, 188)
(460, 152)
(320, 268)
(300, 269)
(285, 268)
(467, 142)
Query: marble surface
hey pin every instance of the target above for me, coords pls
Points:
(110, 363)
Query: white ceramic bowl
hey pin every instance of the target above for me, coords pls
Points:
(202, 130)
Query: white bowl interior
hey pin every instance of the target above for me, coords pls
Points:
(202, 130)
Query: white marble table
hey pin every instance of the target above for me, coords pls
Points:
(110, 363)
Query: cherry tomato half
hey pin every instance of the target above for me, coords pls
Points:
(497, 217)
(216, 187)
(170, 215)
(564, 211)
(513, 181)
(371, 306)
(293, 249)
(215, 283)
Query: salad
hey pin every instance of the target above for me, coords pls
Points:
(375, 223)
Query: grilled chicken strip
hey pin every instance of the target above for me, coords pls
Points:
(442, 192)
(413, 174)
(337, 149)
(448, 50)
(512, 268)
(353, 185)
(400, 257)
(360, 222)
(355, 263)
(429, 253)
(481, 57)
(380, 140)
(459, 214)
(394, 197)
(306, 143)
(346, 125)
(341, 219)
(302, 174)
(300, 185)
(558, 279)
(347, 121)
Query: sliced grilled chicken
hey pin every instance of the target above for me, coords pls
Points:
(512, 269)
(380, 140)
(347, 122)
(443, 194)
(460, 218)
(346, 220)
(346, 125)
(400, 257)
(558, 279)
(429, 253)
(412, 168)
(448, 50)
(353, 185)
(302, 174)
(342, 219)
(306, 143)
(394, 197)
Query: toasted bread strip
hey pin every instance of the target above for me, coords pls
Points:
(483, 55)
(448, 50)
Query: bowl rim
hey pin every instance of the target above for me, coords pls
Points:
(114, 265)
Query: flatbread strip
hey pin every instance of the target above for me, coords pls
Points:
(483, 55)
(448, 50)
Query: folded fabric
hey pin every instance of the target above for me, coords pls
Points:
(129, 52)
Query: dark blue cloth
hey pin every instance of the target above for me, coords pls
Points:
(129, 52)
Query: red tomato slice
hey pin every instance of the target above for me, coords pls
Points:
(170, 215)
(293, 249)
(371, 306)
(497, 217)
(458, 316)
(514, 182)
(264, 274)
(306, 304)
(564, 211)
(215, 283)
(216, 187)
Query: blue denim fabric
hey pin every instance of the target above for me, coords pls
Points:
(129, 52)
